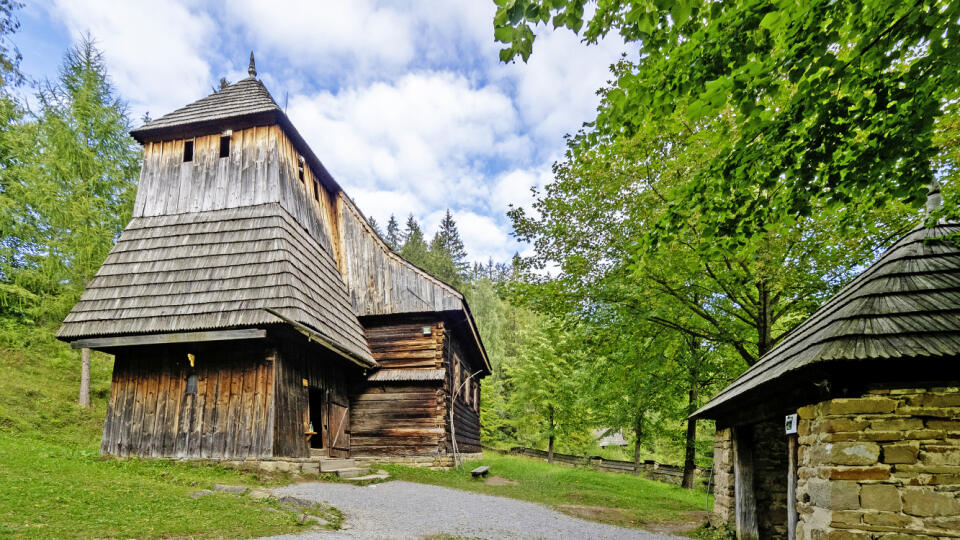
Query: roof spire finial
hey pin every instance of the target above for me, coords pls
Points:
(252, 70)
(934, 200)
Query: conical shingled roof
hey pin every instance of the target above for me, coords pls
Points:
(217, 269)
(905, 306)
(243, 99)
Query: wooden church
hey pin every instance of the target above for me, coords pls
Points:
(253, 312)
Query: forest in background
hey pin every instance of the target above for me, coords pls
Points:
(670, 252)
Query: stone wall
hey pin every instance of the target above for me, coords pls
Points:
(723, 514)
(884, 465)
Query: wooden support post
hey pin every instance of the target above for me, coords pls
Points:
(746, 501)
(84, 398)
(792, 486)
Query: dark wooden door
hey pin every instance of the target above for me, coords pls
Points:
(338, 434)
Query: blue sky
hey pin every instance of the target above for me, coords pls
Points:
(405, 102)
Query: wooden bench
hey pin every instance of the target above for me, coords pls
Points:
(480, 471)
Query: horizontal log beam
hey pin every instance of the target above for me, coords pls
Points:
(165, 339)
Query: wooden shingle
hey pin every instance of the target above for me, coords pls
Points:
(905, 306)
(216, 269)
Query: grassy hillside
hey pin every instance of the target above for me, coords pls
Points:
(55, 485)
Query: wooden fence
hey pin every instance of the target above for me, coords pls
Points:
(648, 469)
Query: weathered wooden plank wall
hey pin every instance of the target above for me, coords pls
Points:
(380, 282)
(323, 372)
(261, 168)
(151, 415)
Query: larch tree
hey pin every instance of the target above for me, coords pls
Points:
(77, 194)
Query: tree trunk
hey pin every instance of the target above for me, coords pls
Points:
(689, 458)
(638, 431)
(550, 444)
(84, 399)
(764, 324)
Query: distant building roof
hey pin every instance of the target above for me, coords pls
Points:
(905, 306)
(217, 269)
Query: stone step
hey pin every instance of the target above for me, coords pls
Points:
(352, 472)
(369, 477)
(333, 465)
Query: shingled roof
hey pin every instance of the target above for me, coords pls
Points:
(905, 306)
(246, 98)
(217, 269)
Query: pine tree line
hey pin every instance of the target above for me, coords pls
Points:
(444, 256)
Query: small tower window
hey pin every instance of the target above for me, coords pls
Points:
(316, 190)
(187, 151)
(300, 168)
(225, 146)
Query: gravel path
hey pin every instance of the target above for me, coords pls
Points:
(407, 510)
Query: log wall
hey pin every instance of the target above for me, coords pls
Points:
(401, 418)
(412, 418)
(466, 410)
(397, 419)
(150, 413)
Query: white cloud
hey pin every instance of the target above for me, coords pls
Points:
(556, 89)
(152, 49)
(427, 134)
(405, 102)
(329, 38)
(380, 204)
(514, 188)
(483, 238)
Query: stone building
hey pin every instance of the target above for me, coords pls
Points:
(850, 427)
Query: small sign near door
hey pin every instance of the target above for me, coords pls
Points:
(790, 424)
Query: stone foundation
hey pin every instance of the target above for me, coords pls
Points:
(885, 465)
(312, 465)
(444, 462)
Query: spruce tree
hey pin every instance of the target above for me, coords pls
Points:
(414, 247)
(376, 227)
(393, 237)
(441, 263)
(448, 239)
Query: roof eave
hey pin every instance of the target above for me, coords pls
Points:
(145, 134)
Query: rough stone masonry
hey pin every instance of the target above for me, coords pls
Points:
(885, 465)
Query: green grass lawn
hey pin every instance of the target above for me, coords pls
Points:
(611, 498)
(54, 484)
(50, 491)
